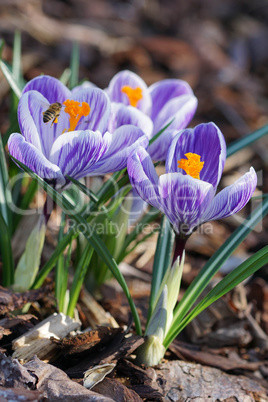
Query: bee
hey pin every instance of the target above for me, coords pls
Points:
(52, 113)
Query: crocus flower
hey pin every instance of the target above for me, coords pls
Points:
(74, 142)
(186, 192)
(162, 102)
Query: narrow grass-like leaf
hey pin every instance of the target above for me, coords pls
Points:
(2, 44)
(112, 186)
(6, 253)
(162, 260)
(154, 213)
(215, 262)
(79, 277)
(50, 264)
(5, 195)
(137, 242)
(247, 140)
(91, 237)
(16, 60)
(89, 193)
(160, 132)
(65, 76)
(238, 275)
(15, 85)
(60, 279)
(74, 65)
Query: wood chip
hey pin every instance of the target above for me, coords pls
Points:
(94, 312)
(78, 345)
(37, 341)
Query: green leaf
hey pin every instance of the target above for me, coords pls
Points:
(132, 236)
(90, 194)
(157, 322)
(5, 195)
(247, 140)
(65, 76)
(49, 265)
(2, 44)
(60, 278)
(6, 253)
(91, 237)
(74, 66)
(214, 264)
(29, 262)
(13, 82)
(233, 279)
(162, 260)
(79, 277)
(16, 61)
(160, 132)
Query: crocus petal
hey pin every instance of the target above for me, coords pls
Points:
(137, 209)
(178, 110)
(51, 88)
(128, 78)
(205, 140)
(99, 109)
(34, 159)
(84, 85)
(122, 115)
(76, 152)
(31, 107)
(143, 177)
(184, 200)
(124, 141)
(161, 92)
(158, 149)
(233, 198)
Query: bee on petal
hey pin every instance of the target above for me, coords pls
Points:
(52, 113)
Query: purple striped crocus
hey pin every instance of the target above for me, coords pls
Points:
(186, 193)
(74, 142)
(151, 108)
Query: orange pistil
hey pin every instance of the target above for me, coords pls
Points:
(134, 94)
(75, 111)
(192, 166)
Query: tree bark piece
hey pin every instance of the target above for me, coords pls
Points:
(37, 340)
(19, 395)
(57, 386)
(182, 381)
(14, 375)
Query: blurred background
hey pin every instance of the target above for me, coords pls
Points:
(219, 47)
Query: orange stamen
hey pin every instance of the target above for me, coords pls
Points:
(134, 94)
(192, 166)
(75, 111)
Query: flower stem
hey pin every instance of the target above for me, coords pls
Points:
(48, 208)
(179, 247)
